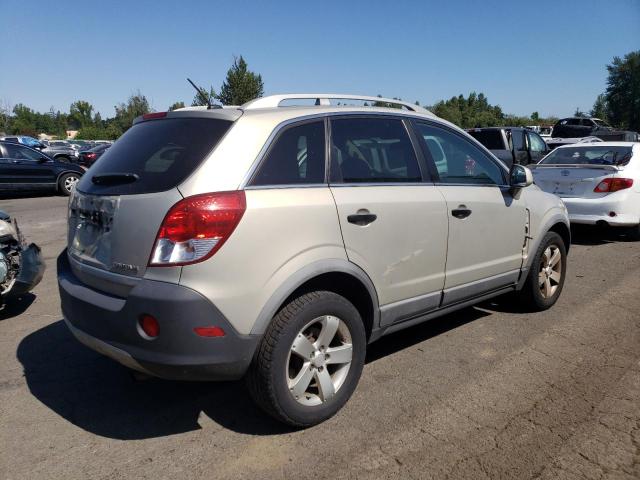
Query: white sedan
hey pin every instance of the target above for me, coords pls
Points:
(598, 182)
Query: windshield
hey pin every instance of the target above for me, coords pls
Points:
(591, 155)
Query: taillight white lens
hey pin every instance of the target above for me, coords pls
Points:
(196, 227)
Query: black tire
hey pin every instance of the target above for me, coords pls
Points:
(267, 376)
(531, 294)
(63, 158)
(63, 182)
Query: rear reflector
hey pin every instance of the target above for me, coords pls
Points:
(610, 185)
(209, 331)
(195, 228)
(151, 116)
(149, 325)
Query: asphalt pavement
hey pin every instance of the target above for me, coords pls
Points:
(487, 392)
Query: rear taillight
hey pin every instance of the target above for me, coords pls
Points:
(610, 185)
(90, 155)
(195, 228)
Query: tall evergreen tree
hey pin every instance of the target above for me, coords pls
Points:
(241, 85)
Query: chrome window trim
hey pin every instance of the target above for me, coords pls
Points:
(288, 185)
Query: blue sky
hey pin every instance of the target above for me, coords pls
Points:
(546, 56)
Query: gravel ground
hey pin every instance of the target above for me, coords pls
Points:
(488, 392)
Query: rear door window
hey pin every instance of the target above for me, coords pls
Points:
(372, 150)
(160, 154)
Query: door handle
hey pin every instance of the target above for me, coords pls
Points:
(362, 218)
(461, 212)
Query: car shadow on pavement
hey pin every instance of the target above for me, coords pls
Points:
(594, 235)
(16, 306)
(102, 397)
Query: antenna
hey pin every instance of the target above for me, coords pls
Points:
(204, 95)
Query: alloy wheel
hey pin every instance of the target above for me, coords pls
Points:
(70, 182)
(319, 360)
(550, 273)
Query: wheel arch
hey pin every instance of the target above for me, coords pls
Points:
(564, 231)
(338, 276)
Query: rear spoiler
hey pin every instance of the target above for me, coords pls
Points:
(614, 168)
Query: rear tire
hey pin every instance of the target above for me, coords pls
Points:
(547, 274)
(310, 359)
(67, 183)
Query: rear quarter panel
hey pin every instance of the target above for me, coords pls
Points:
(282, 231)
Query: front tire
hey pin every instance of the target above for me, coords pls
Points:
(310, 359)
(547, 274)
(67, 183)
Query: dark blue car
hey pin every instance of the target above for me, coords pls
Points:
(25, 168)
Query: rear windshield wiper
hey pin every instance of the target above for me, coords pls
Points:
(114, 178)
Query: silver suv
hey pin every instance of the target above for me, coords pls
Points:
(275, 242)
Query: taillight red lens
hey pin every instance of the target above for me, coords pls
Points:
(91, 155)
(610, 185)
(196, 227)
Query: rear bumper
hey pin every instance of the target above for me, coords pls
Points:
(109, 325)
(591, 211)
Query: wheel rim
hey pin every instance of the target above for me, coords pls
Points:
(319, 360)
(70, 182)
(550, 273)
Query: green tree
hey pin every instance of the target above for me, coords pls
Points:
(600, 107)
(241, 85)
(579, 113)
(176, 106)
(126, 113)
(23, 121)
(623, 91)
(470, 112)
(204, 98)
(535, 116)
(80, 114)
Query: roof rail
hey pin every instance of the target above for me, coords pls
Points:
(323, 99)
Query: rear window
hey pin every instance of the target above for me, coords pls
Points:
(600, 155)
(491, 139)
(161, 153)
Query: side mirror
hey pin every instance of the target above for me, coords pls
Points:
(520, 177)
(43, 160)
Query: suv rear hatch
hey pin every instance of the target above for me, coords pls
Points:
(572, 172)
(118, 206)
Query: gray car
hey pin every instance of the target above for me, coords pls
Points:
(61, 151)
